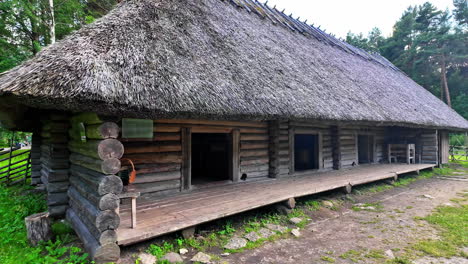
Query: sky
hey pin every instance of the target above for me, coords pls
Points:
(341, 16)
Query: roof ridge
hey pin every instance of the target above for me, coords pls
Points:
(295, 25)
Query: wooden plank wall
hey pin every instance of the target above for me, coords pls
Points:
(325, 130)
(444, 147)
(429, 147)
(284, 148)
(159, 160)
(349, 151)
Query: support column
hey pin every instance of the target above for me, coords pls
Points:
(336, 147)
(274, 149)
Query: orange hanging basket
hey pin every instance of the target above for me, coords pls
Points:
(133, 173)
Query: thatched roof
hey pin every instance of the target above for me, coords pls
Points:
(223, 59)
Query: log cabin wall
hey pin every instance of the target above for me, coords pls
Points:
(289, 129)
(94, 186)
(349, 144)
(36, 165)
(429, 146)
(54, 162)
(159, 161)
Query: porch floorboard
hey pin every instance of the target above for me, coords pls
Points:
(165, 215)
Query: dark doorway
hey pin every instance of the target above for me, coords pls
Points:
(306, 152)
(365, 149)
(210, 158)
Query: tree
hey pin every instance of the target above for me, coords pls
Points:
(28, 25)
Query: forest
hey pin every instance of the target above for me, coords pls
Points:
(428, 44)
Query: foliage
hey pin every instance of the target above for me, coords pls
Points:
(429, 45)
(15, 205)
(25, 25)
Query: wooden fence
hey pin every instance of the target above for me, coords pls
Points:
(458, 153)
(16, 166)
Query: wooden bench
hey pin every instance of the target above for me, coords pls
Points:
(133, 196)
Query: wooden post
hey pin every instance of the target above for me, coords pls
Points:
(336, 147)
(291, 133)
(235, 155)
(274, 149)
(38, 228)
(186, 158)
(389, 153)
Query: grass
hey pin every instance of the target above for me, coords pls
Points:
(452, 223)
(327, 259)
(14, 248)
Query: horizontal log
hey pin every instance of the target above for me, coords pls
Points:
(166, 137)
(57, 211)
(103, 237)
(102, 131)
(58, 187)
(261, 161)
(245, 137)
(158, 177)
(100, 183)
(103, 220)
(254, 153)
(155, 158)
(57, 198)
(254, 168)
(154, 187)
(153, 168)
(99, 253)
(254, 145)
(150, 148)
(108, 201)
(101, 149)
(54, 175)
(166, 128)
(107, 166)
(55, 164)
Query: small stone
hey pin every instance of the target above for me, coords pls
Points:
(201, 257)
(295, 220)
(389, 254)
(296, 232)
(448, 204)
(328, 204)
(428, 196)
(265, 233)
(225, 254)
(277, 228)
(146, 258)
(183, 251)
(188, 232)
(236, 243)
(172, 257)
(252, 236)
(370, 208)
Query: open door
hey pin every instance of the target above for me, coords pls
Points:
(365, 149)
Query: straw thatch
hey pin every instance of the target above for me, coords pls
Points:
(219, 59)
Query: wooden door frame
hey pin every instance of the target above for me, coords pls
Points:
(292, 133)
(234, 153)
(374, 145)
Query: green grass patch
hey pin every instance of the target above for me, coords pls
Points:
(327, 259)
(454, 232)
(14, 247)
(353, 255)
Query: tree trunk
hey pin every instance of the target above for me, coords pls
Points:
(38, 228)
(52, 22)
(443, 75)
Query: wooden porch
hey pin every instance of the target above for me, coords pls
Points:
(169, 214)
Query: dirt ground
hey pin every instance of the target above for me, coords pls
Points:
(392, 227)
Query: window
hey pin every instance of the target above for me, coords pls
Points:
(306, 152)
